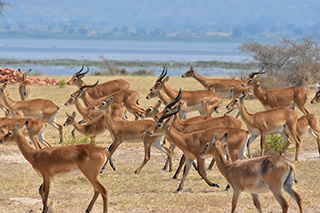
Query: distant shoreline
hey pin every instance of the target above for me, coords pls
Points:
(135, 63)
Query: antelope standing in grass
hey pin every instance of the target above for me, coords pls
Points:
(257, 175)
(42, 109)
(131, 131)
(279, 120)
(288, 96)
(51, 161)
(192, 143)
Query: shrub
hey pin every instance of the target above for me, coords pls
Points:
(62, 83)
(143, 72)
(274, 145)
(78, 140)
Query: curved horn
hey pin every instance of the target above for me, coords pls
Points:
(170, 114)
(77, 73)
(86, 86)
(174, 101)
(163, 74)
(251, 75)
(83, 73)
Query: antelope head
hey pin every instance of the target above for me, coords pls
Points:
(70, 119)
(189, 73)
(162, 79)
(316, 98)
(25, 74)
(76, 77)
(253, 78)
(212, 147)
(238, 101)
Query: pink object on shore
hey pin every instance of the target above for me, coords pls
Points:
(11, 76)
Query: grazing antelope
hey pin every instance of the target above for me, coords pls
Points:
(316, 98)
(127, 98)
(288, 96)
(42, 109)
(220, 86)
(34, 129)
(203, 100)
(257, 175)
(24, 88)
(131, 131)
(279, 120)
(192, 143)
(51, 161)
(101, 90)
(94, 127)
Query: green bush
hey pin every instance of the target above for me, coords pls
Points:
(274, 145)
(62, 83)
(78, 140)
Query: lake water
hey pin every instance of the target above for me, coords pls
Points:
(120, 50)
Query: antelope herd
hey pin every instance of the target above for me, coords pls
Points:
(104, 107)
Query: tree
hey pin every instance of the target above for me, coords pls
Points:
(288, 62)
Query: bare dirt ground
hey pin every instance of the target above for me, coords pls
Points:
(152, 190)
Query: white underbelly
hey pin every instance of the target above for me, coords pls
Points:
(193, 108)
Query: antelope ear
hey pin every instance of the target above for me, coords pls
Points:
(110, 99)
(215, 137)
(28, 71)
(19, 70)
(17, 127)
(67, 114)
(166, 79)
(73, 114)
(223, 139)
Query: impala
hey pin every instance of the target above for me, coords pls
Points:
(24, 88)
(220, 86)
(257, 175)
(279, 120)
(309, 123)
(94, 127)
(288, 96)
(131, 131)
(192, 143)
(316, 98)
(203, 100)
(86, 112)
(100, 90)
(42, 109)
(127, 98)
(51, 161)
(223, 123)
(34, 129)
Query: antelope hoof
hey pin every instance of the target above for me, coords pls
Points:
(215, 185)
(227, 187)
